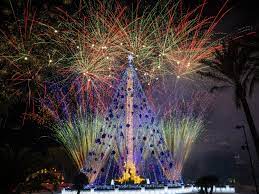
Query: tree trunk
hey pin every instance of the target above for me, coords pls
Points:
(250, 122)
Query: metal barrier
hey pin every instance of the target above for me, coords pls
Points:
(165, 190)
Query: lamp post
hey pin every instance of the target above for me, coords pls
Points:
(246, 146)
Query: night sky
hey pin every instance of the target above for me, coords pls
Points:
(218, 151)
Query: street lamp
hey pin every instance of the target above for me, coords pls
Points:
(246, 147)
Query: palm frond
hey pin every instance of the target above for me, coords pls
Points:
(237, 64)
(248, 74)
(213, 76)
(219, 88)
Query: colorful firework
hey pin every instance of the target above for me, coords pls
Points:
(185, 38)
(164, 40)
(72, 122)
(180, 135)
(78, 137)
(90, 45)
(88, 53)
(182, 125)
(26, 68)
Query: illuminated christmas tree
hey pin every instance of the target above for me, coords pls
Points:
(131, 143)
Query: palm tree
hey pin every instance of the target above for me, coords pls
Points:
(237, 65)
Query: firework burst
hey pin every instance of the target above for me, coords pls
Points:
(72, 122)
(185, 38)
(91, 46)
(26, 68)
(78, 136)
(180, 135)
(182, 125)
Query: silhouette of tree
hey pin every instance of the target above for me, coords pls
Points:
(206, 182)
(16, 164)
(237, 65)
(37, 181)
(79, 181)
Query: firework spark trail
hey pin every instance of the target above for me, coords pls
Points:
(165, 43)
(73, 125)
(180, 134)
(27, 69)
(17, 49)
(109, 37)
(182, 124)
(91, 45)
(78, 137)
(92, 52)
(187, 40)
